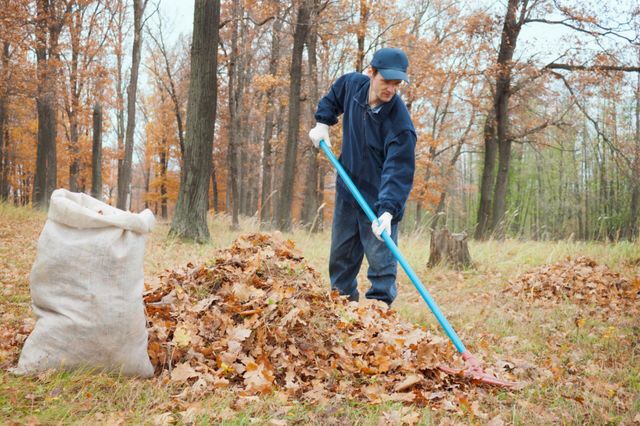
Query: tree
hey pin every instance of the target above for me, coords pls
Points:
(312, 196)
(166, 74)
(118, 31)
(124, 172)
(17, 102)
(235, 102)
(161, 147)
(51, 16)
(443, 97)
(266, 191)
(4, 104)
(283, 213)
(633, 226)
(190, 218)
(88, 33)
(497, 125)
(498, 135)
(96, 156)
(361, 32)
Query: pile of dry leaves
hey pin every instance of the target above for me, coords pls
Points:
(581, 280)
(257, 318)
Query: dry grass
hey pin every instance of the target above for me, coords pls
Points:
(583, 375)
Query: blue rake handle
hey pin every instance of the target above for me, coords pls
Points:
(396, 252)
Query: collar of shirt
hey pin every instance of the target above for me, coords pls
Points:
(362, 97)
(376, 109)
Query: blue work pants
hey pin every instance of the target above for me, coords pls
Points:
(351, 239)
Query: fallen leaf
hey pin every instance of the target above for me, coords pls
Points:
(239, 334)
(181, 337)
(408, 382)
(182, 372)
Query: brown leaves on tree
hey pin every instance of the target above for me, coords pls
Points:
(580, 280)
(257, 319)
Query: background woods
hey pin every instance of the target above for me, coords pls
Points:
(528, 113)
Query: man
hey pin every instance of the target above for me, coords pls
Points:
(378, 153)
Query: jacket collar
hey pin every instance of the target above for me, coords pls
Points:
(362, 98)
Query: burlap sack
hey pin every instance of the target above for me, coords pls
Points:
(86, 289)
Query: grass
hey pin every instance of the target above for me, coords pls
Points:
(578, 375)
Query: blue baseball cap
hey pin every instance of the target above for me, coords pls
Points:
(392, 63)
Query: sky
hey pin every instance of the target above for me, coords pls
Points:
(179, 14)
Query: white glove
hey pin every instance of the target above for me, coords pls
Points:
(382, 224)
(318, 133)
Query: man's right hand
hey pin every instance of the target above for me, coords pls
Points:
(318, 133)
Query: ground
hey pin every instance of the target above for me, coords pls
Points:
(578, 359)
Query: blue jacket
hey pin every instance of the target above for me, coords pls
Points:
(378, 148)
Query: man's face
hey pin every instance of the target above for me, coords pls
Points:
(382, 90)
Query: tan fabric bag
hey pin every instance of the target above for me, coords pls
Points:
(86, 289)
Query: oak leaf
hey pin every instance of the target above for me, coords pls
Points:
(182, 372)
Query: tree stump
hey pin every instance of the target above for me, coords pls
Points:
(449, 248)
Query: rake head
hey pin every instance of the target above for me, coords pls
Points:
(474, 372)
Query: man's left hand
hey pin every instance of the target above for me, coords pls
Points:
(382, 224)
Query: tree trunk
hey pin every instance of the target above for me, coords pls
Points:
(312, 199)
(72, 101)
(244, 172)
(288, 178)
(418, 219)
(584, 174)
(361, 33)
(124, 177)
(309, 201)
(96, 153)
(635, 174)
(439, 214)
(163, 178)
(48, 27)
(147, 182)
(602, 192)
(74, 150)
(254, 196)
(4, 151)
(266, 211)
(119, 53)
(190, 218)
(446, 247)
(510, 31)
(486, 184)
(559, 220)
(46, 139)
(4, 134)
(245, 132)
(214, 189)
(498, 226)
(233, 151)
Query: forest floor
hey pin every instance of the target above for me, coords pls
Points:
(561, 318)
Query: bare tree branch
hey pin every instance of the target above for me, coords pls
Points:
(572, 67)
(592, 120)
(568, 23)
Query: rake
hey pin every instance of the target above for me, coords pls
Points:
(473, 368)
